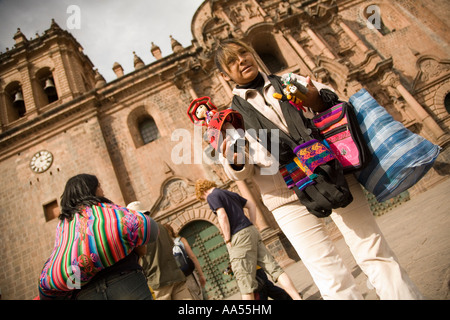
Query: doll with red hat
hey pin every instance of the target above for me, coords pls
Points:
(220, 124)
(201, 111)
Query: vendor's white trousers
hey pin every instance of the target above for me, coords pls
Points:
(365, 240)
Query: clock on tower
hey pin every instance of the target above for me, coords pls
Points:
(41, 161)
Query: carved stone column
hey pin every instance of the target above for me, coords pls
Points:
(3, 112)
(183, 83)
(32, 104)
(323, 49)
(190, 89)
(220, 13)
(225, 85)
(298, 48)
(353, 36)
(435, 132)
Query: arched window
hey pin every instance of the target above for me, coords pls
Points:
(270, 55)
(447, 102)
(46, 83)
(271, 62)
(15, 104)
(148, 129)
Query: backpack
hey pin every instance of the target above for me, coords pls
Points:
(181, 257)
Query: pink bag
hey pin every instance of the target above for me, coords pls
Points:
(339, 127)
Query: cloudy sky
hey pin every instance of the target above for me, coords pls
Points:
(108, 30)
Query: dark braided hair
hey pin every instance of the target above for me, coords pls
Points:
(79, 193)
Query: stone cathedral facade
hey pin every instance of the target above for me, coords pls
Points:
(59, 117)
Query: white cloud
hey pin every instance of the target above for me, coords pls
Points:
(110, 30)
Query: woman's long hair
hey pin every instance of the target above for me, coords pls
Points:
(79, 193)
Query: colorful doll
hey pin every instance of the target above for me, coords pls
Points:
(220, 124)
(294, 92)
(201, 111)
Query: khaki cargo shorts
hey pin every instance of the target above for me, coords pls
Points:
(247, 251)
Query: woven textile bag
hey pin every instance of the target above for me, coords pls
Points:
(339, 127)
(400, 158)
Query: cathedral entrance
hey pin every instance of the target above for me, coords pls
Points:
(208, 245)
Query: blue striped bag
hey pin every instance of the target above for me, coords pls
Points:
(400, 158)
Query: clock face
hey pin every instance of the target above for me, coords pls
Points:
(41, 161)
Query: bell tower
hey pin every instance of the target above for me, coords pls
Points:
(39, 74)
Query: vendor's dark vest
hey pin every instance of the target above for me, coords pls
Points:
(331, 190)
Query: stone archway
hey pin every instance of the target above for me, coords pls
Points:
(441, 99)
(195, 214)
